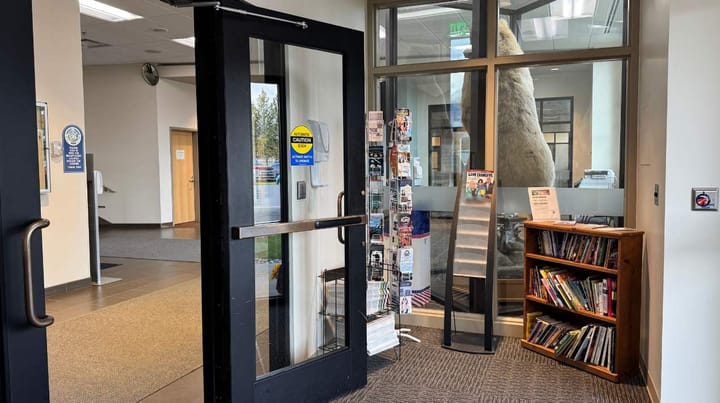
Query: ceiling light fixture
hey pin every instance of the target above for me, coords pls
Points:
(189, 41)
(106, 12)
(573, 8)
(410, 13)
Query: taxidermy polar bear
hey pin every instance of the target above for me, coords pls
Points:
(523, 156)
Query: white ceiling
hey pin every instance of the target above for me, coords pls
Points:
(136, 41)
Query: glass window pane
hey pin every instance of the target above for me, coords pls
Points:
(441, 143)
(381, 25)
(549, 137)
(426, 33)
(591, 140)
(556, 127)
(556, 111)
(542, 26)
(592, 91)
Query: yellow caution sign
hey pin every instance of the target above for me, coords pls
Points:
(301, 146)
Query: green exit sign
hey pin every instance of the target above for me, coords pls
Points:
(458, 29)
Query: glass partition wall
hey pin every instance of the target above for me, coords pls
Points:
(543, 92)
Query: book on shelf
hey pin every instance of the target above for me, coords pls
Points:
(574, 291)
(587, 249)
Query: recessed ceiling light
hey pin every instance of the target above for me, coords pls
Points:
(555, 69)
(189, 41)
(153, 51)
(159, 29)
(105, 12)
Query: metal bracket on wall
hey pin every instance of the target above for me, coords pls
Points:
(218, 6)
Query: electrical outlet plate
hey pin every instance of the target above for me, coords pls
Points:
(705, 199)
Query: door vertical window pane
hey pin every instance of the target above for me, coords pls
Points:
(300, 277)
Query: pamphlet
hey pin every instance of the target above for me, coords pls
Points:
(375, 227)
(405, 258)
(375, 125)
(376, 158)
(544, 204)
(405, 305)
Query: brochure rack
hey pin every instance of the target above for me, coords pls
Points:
(390, 253)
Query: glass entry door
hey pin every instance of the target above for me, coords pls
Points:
(281, 100)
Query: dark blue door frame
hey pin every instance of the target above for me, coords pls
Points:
(226, 160)
(23, 348)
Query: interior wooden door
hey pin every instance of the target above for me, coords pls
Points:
(183, 174)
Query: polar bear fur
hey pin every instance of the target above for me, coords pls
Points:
(523, 156)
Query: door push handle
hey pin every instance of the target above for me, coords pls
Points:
(340, 222)
(340, 197)
(34, 320)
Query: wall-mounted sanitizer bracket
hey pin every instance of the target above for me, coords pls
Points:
(321, 146)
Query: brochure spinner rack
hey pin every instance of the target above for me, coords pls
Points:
(381, 333)
(390, 260)
(582, 296)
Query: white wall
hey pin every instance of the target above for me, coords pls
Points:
(58, 80)
(651, 140)
(176, 109)
(606, 107)
(122, 122)
(346, 13)
(690, 355)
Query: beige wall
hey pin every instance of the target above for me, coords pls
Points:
(652, 125)
(176, 109)
(122, 119)
(59, 82)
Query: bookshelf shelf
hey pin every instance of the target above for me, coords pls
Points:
(593, 369)
(625, 248)
(587, 314)
(576, 265)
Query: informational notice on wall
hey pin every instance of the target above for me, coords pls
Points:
(301, 146)
(73, 149)
(544, 204)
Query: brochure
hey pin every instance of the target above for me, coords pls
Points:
(376, 158)
(375, 126)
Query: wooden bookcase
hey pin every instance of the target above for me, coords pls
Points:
(627, 275)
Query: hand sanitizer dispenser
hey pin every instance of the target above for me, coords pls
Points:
(321, 135)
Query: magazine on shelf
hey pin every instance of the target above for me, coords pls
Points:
(479, 184)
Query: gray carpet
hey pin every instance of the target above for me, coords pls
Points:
(147, 244)
(428, 373)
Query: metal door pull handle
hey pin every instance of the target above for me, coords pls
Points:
(340, 197)
(34, 320)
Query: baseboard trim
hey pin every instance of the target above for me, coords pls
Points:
(136, 226)
(68, 287)
(466, 322)
(652, 390)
